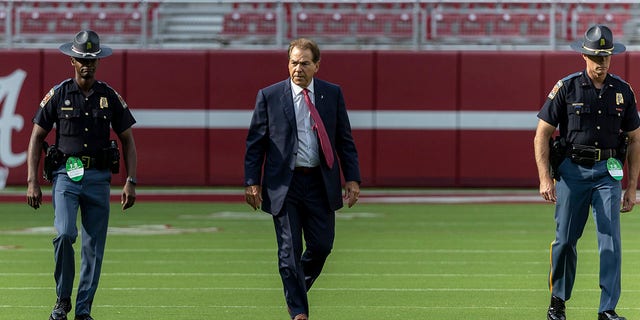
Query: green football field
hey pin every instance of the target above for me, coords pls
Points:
(185, 260)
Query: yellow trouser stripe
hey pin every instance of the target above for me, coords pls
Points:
(551, 266)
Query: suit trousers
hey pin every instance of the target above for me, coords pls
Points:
(578, 189)
(305, 214)
(91, 195)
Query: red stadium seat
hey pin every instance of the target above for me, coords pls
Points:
(45, 21)
(266, 23)
(581, 20)
(311, 23)
(523, 25)
(325, 23)
(235, 23)
(386, 24)
(3, 19)
(473, 25)
(491, 26)
(62, 21)
(116, 22)
(342, 24)
(250, 23)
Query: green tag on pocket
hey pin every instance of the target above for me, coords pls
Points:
(75, 169)
(615, 168)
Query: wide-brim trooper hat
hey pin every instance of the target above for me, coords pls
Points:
(598, 41)
(86, 45)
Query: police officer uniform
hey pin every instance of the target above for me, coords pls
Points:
(82, 132)
(591, 121)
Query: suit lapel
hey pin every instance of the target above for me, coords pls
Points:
(287, 103)
(318, 96)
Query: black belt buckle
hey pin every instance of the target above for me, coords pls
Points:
(86, 161)
(598, 154)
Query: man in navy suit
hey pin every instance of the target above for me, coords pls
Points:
(300, 184)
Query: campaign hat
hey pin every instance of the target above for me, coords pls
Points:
(598, 41)
(86, 45)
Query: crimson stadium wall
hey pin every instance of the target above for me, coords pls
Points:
(420, 119)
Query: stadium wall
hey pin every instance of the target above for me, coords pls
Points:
(433, 119)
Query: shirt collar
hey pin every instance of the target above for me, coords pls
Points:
(298, 89)
(96, 88)
(586, 81)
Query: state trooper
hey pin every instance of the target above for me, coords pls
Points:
(80, 165)
(598, 123)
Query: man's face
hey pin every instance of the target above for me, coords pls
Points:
(85, 68)
(597, 66)
(301, 66)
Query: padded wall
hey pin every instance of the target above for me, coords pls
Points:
(437, 119)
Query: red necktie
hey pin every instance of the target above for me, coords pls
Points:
(320, 129)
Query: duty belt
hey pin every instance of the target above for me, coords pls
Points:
(588, 155)
(89, 162)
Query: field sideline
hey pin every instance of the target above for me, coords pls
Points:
(453, 196)
(485, 257)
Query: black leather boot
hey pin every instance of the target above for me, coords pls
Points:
(556, 309)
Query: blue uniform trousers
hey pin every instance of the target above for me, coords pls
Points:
(578, 189)
(305, 213)
(91, 195)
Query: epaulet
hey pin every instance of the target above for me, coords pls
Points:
(571, 76)
(52, 92)
(618, 78)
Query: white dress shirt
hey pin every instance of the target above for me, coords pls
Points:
(308, 152)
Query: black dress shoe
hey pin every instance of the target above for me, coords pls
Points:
(610, 315)
(83, 317)
(556, 309)
(60, 310)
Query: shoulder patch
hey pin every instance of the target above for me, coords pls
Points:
(124, 104)
(555, 89)
(47, 97)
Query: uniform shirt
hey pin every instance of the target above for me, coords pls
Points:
(589, 116)
(82, 123)
(308, 152)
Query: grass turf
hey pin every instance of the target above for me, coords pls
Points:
(389, 262)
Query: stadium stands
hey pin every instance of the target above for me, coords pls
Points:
(250, 26)
(3, 24)
(516, 25)
(583, 17)
(349, 26)
(53, 22)
(188, 23)
(388, 23)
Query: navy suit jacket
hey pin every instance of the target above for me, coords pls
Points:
(272, 143)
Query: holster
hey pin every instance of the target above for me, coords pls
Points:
(112, 156)
(52, 160)
(623, 144)
(557, 153)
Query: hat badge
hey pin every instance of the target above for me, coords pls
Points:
(86, 45)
